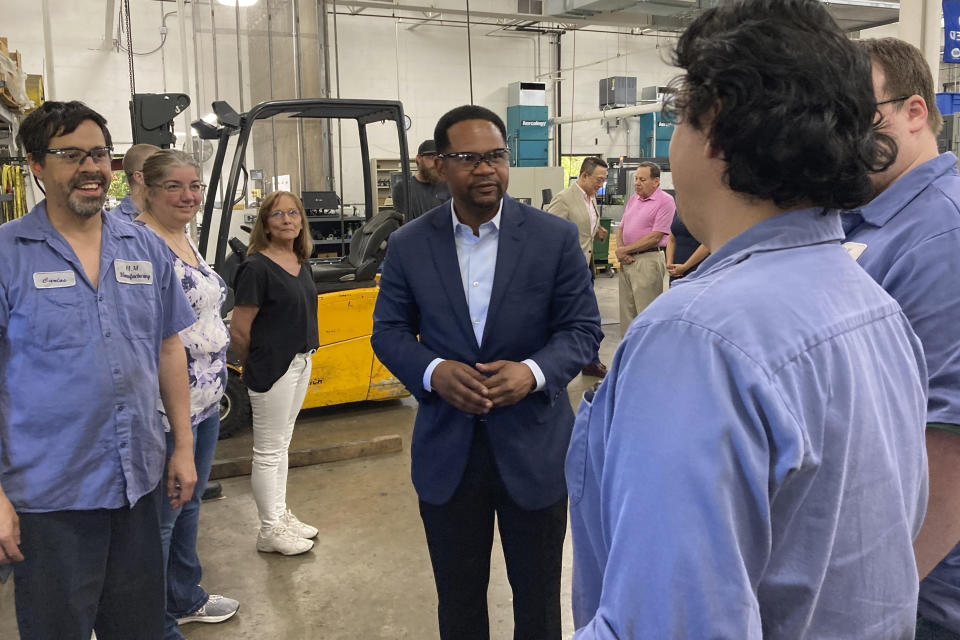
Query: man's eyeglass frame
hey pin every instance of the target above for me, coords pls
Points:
(65, 152)
(494, 157)
(889, 100)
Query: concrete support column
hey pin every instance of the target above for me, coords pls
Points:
(920, 25)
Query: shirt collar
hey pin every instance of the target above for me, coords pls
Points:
(898, 195)
(651, 196)
(495, 221)
(36, 225)
(127, 205)
(798, 228)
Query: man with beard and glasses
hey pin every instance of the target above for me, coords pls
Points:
(90, 308)
(485, 313)
(426, 188)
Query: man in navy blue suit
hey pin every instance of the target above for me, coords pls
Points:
(486, 312)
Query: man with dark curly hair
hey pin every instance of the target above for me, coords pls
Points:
(908, 239)
(777, 493)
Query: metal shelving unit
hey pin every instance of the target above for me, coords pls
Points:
(381, 169)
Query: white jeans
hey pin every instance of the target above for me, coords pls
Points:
(274, 414)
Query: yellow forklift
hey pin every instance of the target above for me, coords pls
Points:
(344, 369)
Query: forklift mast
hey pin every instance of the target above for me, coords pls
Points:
(231, 123)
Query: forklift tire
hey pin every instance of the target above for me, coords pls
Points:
(234, 407)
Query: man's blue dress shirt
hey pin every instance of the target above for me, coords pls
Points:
(477, 257)
(770, 483)
(79, 427)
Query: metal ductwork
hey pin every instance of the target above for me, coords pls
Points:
(674, 15)
(629, 9)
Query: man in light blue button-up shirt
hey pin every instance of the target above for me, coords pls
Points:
(908, 240)
(771, 486)
(486, 312)
(90, 310)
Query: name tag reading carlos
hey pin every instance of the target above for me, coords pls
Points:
(54, 279)
(133, 271)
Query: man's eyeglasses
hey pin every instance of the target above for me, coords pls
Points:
(171, 188)
(100, 155)
(472, 159)
(888, 101)
(291, 213)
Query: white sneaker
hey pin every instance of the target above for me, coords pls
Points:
(279, 539)
(296, 527)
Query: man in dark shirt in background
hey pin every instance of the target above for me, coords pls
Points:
(427, 190)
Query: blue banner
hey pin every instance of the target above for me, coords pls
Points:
(951, 31)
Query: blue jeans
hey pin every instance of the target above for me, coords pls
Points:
(178, 532)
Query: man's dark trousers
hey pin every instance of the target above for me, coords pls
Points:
(460, 536)
(100, 569)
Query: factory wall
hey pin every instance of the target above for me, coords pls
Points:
(422, 63)
(83, 70)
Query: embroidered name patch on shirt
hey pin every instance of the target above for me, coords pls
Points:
(54, 279)
(133, 271)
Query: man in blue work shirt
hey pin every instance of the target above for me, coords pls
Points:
(89, 313)
(133, 203)
(908, 239)
(774, 493)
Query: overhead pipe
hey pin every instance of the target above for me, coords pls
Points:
(188, 112)
(108, 26)
(51, 86)
(609, 114)
(185, 73)
(326, 141)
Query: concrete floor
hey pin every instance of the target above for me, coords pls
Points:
(369, 574)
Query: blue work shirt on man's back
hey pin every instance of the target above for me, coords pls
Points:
(79, 427)
(770, 483)
(126, 209)
(909, 241)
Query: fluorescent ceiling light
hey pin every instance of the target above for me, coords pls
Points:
(238, 3)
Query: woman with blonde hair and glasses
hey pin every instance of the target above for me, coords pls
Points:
(274, 333)
(174, 193)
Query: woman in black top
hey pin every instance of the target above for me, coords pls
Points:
(684, 252)
(274, 333)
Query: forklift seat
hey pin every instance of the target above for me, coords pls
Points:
(367, 250)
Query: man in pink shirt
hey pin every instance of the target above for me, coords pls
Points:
(641, 241)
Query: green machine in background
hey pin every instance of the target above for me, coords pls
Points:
(601, 250)
(527, 124)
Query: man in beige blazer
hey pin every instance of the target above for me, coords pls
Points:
(578, 204)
